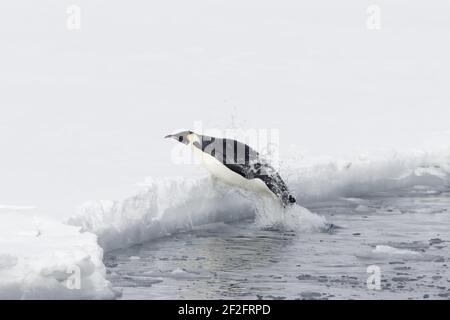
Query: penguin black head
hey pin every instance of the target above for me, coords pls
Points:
(181, 136)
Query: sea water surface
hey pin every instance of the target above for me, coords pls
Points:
(404, 234)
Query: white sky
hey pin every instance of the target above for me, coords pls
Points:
(83, 113)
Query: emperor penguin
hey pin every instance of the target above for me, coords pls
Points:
(236, 164)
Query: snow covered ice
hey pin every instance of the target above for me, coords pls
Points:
(163, 207)
(40, 259)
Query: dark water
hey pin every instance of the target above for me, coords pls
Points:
(405, 234)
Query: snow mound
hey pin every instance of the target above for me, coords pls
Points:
(43, 259)
(163, 207)
(315, 179)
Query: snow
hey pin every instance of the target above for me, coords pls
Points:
(318, 179)
(163, 207)
(41, 259)
(384, 249)
(169, 205)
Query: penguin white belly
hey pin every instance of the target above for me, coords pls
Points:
(220, 171)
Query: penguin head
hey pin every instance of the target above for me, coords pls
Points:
(184, 136)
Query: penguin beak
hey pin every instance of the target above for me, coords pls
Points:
(168, 136)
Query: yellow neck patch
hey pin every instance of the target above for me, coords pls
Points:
(192, 137)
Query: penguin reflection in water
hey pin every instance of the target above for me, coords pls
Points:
(236, 164)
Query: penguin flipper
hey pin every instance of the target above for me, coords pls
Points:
(269, 176)
(276, 184)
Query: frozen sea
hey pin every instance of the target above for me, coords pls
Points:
(405, 232)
